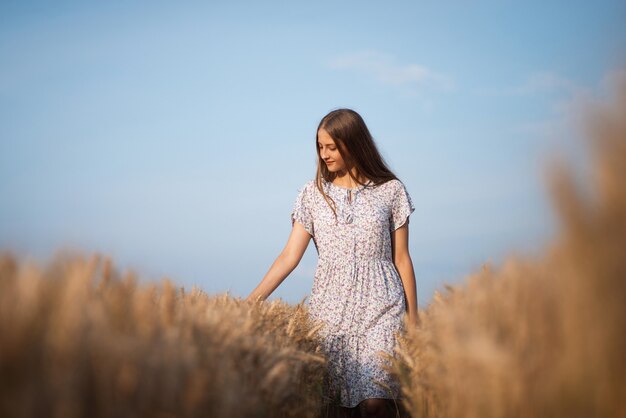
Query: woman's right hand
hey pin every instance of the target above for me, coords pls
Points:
(284, 264)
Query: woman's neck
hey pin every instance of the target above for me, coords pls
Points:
(344, 180)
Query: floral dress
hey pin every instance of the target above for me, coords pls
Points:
(357, 292)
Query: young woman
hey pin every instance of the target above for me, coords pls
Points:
(356, 210)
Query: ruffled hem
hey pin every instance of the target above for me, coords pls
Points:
(369, 393)
(297, 217)
(397, 399)
(402, 217)
(301, 211)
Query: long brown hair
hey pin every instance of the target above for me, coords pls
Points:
(357, 148)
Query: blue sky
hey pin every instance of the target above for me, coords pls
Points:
(175, 137)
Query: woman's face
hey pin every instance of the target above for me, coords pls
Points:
(329, 152)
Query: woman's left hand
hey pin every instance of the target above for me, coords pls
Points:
(414, 319)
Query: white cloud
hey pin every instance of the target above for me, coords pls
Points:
(570, 102)
(385, 69)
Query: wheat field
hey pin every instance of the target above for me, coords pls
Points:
(80, 340)
(542, 337)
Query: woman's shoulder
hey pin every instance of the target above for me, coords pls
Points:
(392, 184)
(307, 187)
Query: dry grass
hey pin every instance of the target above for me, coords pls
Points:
(79, 340)
(544, 337)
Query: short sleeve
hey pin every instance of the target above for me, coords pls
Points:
(302, 209)
(402, 206)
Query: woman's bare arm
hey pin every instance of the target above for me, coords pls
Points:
(284, 264)
(404, 265)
